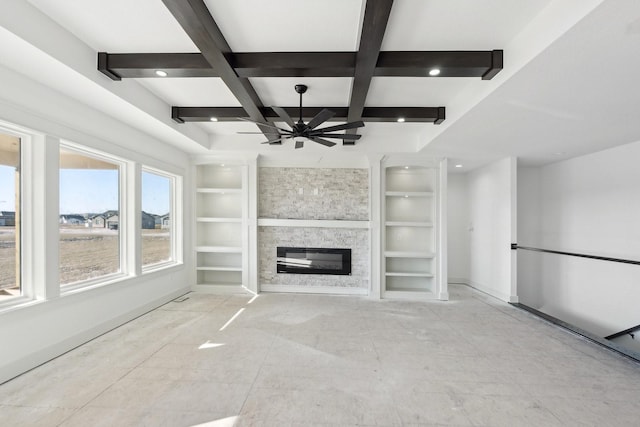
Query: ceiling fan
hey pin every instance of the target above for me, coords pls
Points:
(308, 130)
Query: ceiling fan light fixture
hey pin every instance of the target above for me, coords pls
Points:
(400, 119)
(161, 73)
(434, 71)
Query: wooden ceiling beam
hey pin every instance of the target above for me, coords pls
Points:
(194, 17)
(376, 16)
(485, 64)
(434, 115)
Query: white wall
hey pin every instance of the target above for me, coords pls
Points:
(590, 205)
(491, 220)
(529, 267)
(458, 227)
(33, 334)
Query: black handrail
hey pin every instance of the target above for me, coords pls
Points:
(588, 335)
(621, 333)
(601, 258)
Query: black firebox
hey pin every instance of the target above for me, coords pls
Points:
(314, 260)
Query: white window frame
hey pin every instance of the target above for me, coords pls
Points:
(124, 216)
(175, 214)
(27, 291)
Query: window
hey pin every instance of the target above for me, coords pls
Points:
(90, 220)
(157, 218)
(10, 283)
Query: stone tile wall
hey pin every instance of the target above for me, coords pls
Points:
(342, 193)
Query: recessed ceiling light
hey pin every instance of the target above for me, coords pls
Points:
(161, 73)
(222, 165)
(400, 120)
(406, 196)
(213, 119)
(434, 71)
(406, 167)
(458, 166)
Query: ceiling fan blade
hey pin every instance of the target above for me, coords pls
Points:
(299, 144)
(320, 118)
(261, 125)
(351, 125)
(282, 113)
(350, 137)
(288, 134)
(272, 141)
(249, 133)
(322, 141)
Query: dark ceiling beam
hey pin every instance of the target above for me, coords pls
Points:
(497, 63)
(294, 64)
(434, 115)
(376, 16)
(194, 17)
(485, 64)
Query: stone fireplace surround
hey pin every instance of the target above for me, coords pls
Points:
(313, 207)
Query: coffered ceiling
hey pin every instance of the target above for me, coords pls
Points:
(376, 55)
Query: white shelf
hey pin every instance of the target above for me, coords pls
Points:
(409, 194)
(215, 190)
(321, 223)
(408, 224)
(226, 249)
(400, 274)
(409, 254)
(409, 236)
(217, 219)
(214, 268)
(220, 238)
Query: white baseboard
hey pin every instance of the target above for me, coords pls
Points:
(220, 289)
(335, 290)
(489, 291)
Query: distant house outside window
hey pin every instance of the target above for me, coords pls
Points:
(10, 283)
(156, 229)
(89, 216)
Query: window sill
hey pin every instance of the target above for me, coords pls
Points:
(159, 266)
(18, 303)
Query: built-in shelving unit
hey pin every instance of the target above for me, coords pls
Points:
(409, 235)
(220, 233)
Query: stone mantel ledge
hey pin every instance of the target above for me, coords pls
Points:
(319, 223)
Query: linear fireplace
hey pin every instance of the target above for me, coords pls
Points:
(313, 260)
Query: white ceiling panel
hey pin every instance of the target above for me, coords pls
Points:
(416, 91)
(120, 26)
(288, 25)
(192, 92)
(457, 24)
(322, 92)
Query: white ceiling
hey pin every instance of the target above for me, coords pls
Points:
(568, 85)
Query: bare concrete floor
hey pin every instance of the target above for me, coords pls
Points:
(310, 360)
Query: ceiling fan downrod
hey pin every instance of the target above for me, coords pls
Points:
(301, 89)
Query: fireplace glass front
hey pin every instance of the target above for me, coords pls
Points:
(313, 260)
